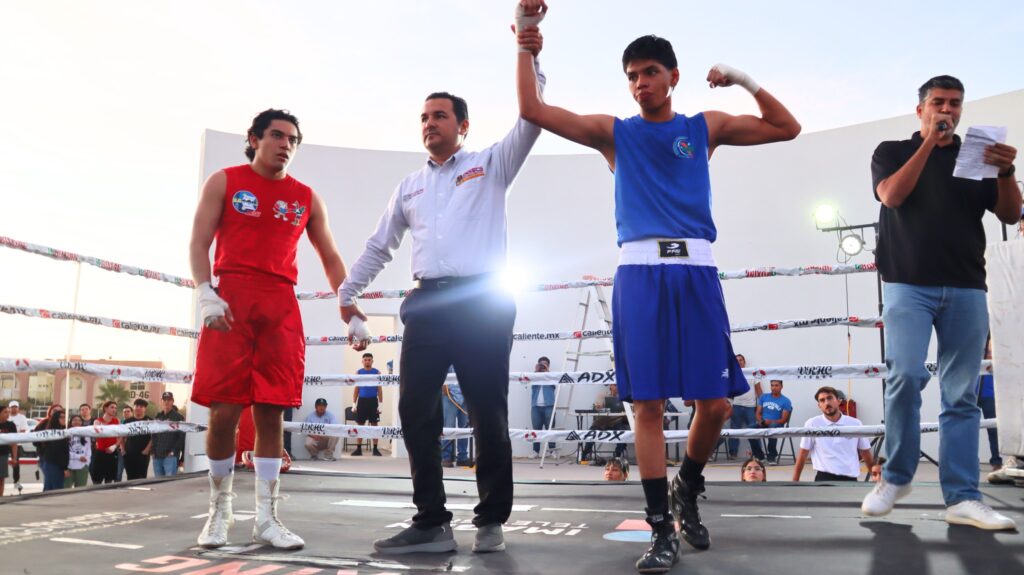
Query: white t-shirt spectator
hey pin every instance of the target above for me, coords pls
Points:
(838, 455)
(20, 422)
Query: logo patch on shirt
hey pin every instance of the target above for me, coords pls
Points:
(682, 148)
(408, 197)
(245, 203)
(282, 211)
(672, 249)
(477, 172)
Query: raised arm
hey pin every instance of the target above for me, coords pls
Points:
(775, 124)
(593, 131)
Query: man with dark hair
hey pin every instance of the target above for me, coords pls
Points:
(85, 410)
(931, 256)
(135, 449)
(367, 401)
(663, 216)
(167, 449)
(834, 458)
(542, 403)
(744, 415)
(773, 410)
(252, 347)
(104, 457)
(454, 207)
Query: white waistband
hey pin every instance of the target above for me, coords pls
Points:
(652, 252)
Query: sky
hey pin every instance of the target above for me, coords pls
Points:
(109, 101)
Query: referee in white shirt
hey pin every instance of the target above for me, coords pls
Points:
(454, 207)
(835, 458)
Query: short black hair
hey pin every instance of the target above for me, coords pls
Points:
(543, 358)
(944, 82)
(260, 124)
(141, 403)
(84, 405)
(828, 390)
(774, 380)
(458, 104)
(650, 47)
(368, 354)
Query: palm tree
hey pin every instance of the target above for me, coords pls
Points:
(112, 391)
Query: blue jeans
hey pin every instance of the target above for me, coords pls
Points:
(541, 418)
(53, 476)
(960, 319)
(988, 411)
(745, 418)
(164, 466)
(453, 417)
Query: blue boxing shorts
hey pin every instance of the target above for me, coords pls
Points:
(670, 330)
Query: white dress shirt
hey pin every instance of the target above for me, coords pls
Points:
(455, 213)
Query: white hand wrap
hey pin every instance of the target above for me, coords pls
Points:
(358, 330)
(210, 304)
(524, 21)
(738, 77)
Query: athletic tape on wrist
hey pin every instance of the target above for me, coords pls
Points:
(738, 77)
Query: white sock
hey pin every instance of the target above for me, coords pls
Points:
(267, 468)
(222, 467)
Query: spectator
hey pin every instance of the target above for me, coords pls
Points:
(53, 455)
(126, 414)
(542, 403)
(135, 449)
(617, 469)
(987, 403)
(105, 455)
(834, 458)
(85, 411)
(607, 401)
(21, 424)
(6, 451)
(315, 444)
(876, 469)
(773, 410)
(455, 415)
(744, 416)
(79, 456)
(168, 449)
(753, 471)
(367, 401)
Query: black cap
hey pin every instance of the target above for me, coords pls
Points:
(166, 395)
(321, 401)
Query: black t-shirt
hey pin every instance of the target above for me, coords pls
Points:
(134, 444)
(7, 427)
(936, 237)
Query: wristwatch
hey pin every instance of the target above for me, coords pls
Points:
(1009, 172)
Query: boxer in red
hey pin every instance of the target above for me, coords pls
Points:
(252, 347)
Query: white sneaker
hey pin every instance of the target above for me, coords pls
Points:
(881, 499)
(1005, 476)
(267, 529)
(553, 454)
(534, 455)
(329, 457)
(977, 514)
(221, 517)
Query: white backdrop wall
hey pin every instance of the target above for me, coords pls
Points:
(561, 227)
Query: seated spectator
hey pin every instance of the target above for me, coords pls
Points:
(610, 402)
(53, 455)
(833, 458)
(367, 401)
(79, 456)
(168, 449)
(876, 469)
(617, 469)
(753, 471)
(773, 410)
(317, 444)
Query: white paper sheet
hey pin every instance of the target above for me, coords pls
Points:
(970, 162)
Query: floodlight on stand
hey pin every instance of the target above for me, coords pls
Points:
(851, 244)
(825, 216)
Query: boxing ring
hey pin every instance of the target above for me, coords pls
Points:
(557, 525)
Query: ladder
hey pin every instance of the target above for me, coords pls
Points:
(589, 296)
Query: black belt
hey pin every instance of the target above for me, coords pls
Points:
(450, 282)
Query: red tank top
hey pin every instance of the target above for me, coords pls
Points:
(261, 225)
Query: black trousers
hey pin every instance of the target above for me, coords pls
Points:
(826, 476)
(104, 466)
(136, 465)
(470, 328)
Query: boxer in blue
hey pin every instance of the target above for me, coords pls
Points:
(670, 330)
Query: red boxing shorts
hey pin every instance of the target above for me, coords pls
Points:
(263, 358)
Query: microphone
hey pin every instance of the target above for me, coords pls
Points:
(943, 126)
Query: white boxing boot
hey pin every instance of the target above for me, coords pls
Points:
(268, 529)
(221, 518)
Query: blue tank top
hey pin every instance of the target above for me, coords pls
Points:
(662, 185)
(368, 391)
